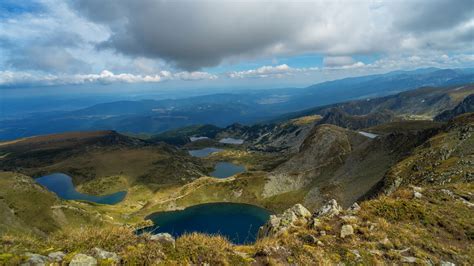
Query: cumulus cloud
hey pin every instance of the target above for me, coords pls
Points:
(196, 34)
(9, 78)
(156, 40)
(269, 71)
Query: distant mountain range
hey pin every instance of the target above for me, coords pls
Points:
(155, 116)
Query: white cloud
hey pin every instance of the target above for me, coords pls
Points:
(152, 41)
(10, 78)
(278, 71)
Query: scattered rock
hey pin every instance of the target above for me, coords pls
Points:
(354, 208)
(356, 253)
(446, 263)
(329, 210)
(316, 223)
(35, 259)
(83, 260)
(164, 238)
(347, 230)
(280, 223)
(105, 255)
(57, 256)
(300, 211)
(386, 243)
(350, 219)
(417, 195)
(408, 259)
(322, 233)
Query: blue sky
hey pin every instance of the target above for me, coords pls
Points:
(230, 44)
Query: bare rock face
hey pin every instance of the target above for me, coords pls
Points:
(282, 222)
(330, 209)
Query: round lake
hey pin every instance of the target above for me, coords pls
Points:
(238, 222)
(61, 184)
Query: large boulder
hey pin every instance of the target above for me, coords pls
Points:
(83, 260)
(105, 255)
(347, 230)
(35, 259)
(57, 256)
(164, 239)
(330, 209)
(277, 224)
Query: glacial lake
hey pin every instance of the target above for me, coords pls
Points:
(231, 141)
(62, 185)
(367, 134)
(196, 138)
(238, 222)
(203, 152)
(226, 169)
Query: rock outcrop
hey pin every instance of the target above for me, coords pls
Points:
(277, 224)
(83, 260)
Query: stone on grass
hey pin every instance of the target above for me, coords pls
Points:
(83, 260)
(57, 256)
(164, 238)
(446, 263)
(346, 230)
(35, 259)
(330, 209)
(354, 208)
(105, 255)
(408, 259)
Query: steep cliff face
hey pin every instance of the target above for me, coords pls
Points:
(340, 118)
(466, 106)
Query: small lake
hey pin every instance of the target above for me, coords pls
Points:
(238, 222)
(196, 138)
(367, 134)
(226, 169)
(61, 184)
(203, 152)
(231, 141)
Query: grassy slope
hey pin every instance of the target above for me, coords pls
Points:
(28, 207)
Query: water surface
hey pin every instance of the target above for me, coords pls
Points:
(238, 222)
(367, 134)
(231, 141)
(61, 184)
(226, 169)
(196, 138)
(203, 152)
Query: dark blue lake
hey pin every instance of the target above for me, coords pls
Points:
(61, 184)
(238, 222)
(203, 152)
(226, 169)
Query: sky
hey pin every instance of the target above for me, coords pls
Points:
(222, 43)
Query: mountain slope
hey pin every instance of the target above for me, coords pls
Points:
(466, 106)
(27, 207)
(86, 156)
